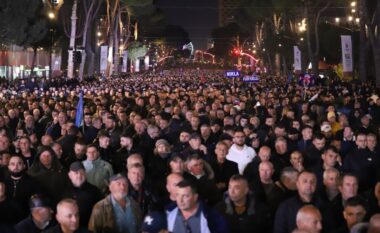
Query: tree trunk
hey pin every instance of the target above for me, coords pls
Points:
(91, 63)
(70, 62)
(33, 61)
(376, 61)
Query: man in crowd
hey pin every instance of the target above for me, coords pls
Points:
(117, 212)
(239, 152)
(191, 215)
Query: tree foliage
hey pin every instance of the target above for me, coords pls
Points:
(22, 22)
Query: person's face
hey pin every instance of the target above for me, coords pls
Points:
(46, 159)
(221, 151)
(361, 141)
(184, 137)
(354, 214)
(4, 143)
(119, 188)
(205, 131)
(296, 158)
(349, 187)
(58, 150)
(195, 143)
(306, 184)
(377, 191)
(104, 142)
(281, 147)
(239, 138)
(194, 122)
(331, 180)
(312, 223)
(24, 144)
(171, 185)
(265, 172)
(177, 166)
(371, 142)
(185, 198)
(68, 217)
(136, 176)
(16, 164)
(330, 158)
(92, 153)
(77, 177)
(162, 148)
(319, 143)
(307, 134)
(41, 214)
(125, 141)
(163, 124)
(87, 120)
(79, 149)
(237, 190)
(195, 166)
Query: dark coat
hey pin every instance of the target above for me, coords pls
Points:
(21, 190)
(224, 171)
(27, 226)
(86, 196)
(363, 164)
(256, 218)
(53, 181)
(285, 219)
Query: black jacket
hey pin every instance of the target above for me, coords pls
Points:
(57, 229)
(27, 226)
(256, 217)
(285, 219)
(224, 171)
(86, 196)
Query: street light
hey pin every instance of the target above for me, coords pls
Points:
(51, 15)
(350, 18)
(337, 20)
(353, 4)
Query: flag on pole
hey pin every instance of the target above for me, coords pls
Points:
(79, 113)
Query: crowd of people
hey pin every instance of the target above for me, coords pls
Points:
(189, 151)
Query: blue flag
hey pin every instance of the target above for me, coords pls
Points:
(79, 115)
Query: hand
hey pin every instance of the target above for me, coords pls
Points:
(203, 148)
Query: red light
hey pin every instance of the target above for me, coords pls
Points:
(236, 52)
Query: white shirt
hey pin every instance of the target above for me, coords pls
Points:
(241, 157)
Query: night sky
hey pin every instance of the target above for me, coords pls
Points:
(197, 17)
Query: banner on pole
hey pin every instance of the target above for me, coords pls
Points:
(347, 53)
(103, 58)
(124, 68)
(297, 59)
(146, 62)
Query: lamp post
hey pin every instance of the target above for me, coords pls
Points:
(51, 16)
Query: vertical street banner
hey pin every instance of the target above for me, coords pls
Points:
(103, 58)
(347, 53)
(297, 59)
(124, 67)
(137, 65)
(56, 62)
(146, 62)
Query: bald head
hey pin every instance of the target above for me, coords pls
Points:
(374, 224)
(171, 183)
(309, 219)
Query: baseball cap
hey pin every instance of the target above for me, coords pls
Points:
(154, 222)
(76, 166)
(326, 128)
(38, 200)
